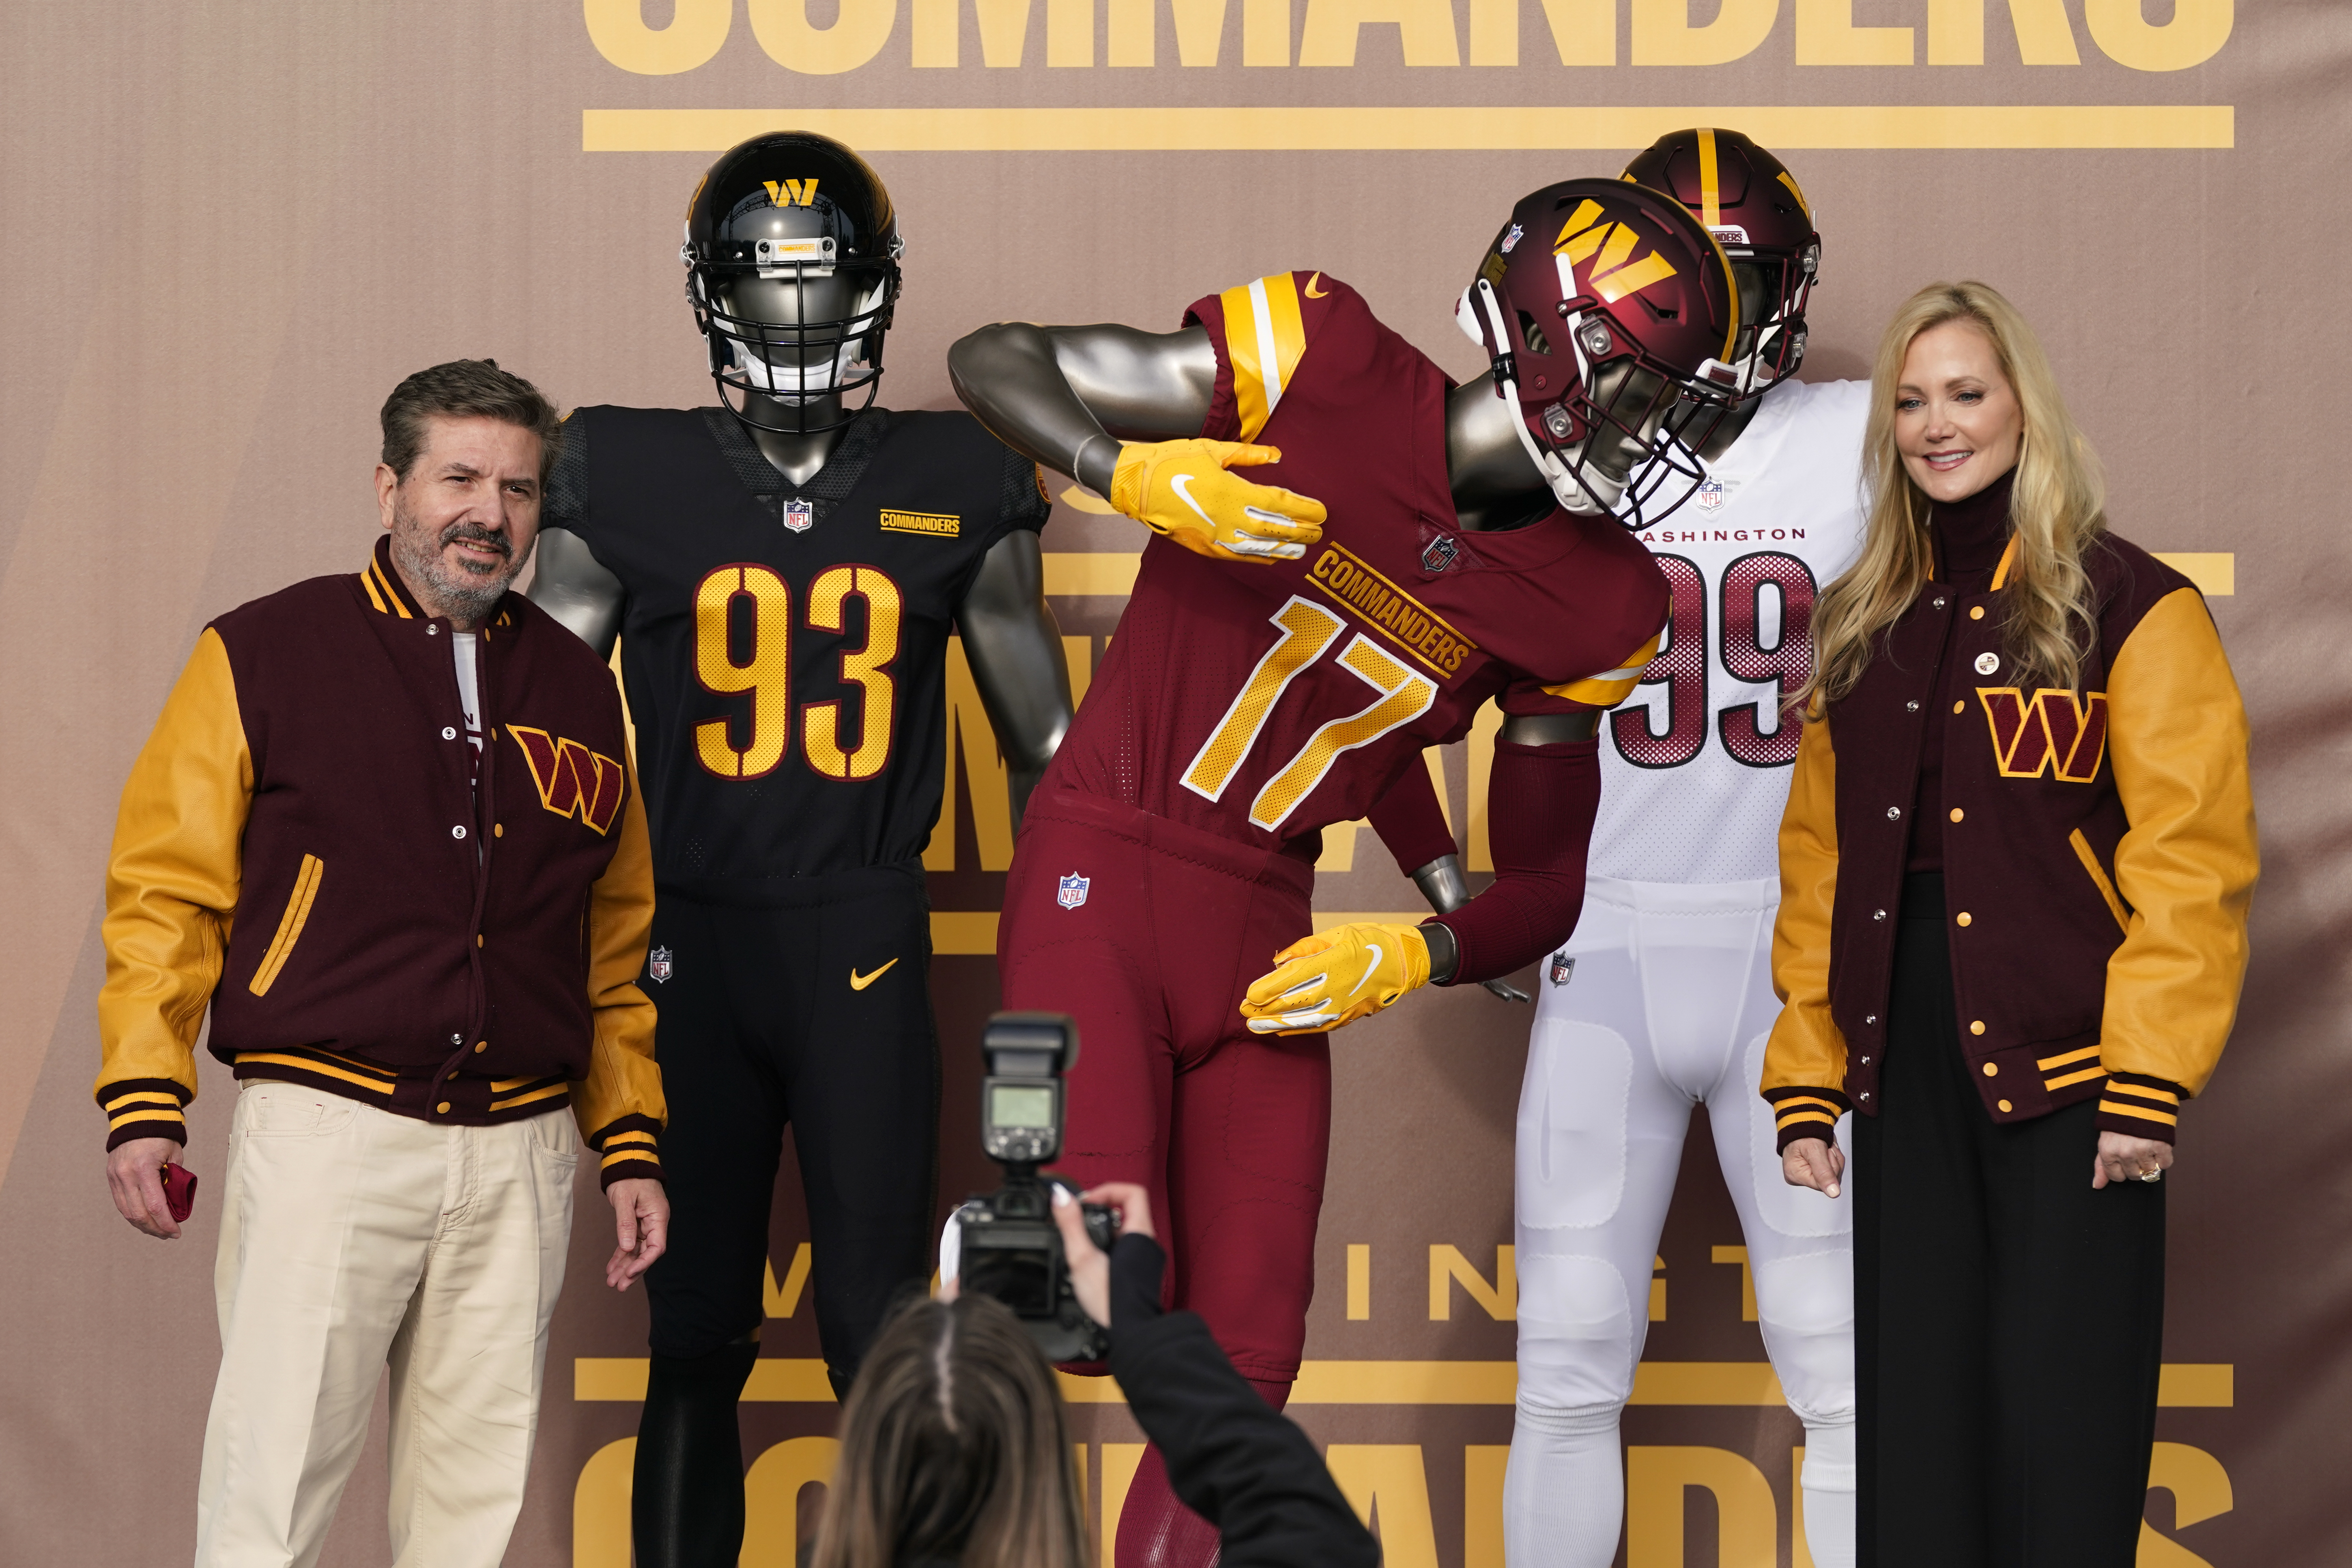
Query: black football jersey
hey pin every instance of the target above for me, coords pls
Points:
(783, 647)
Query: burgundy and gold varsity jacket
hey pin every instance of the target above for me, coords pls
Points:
(2098, 849)
(309, 848)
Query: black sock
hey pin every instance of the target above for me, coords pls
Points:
(687, 1510)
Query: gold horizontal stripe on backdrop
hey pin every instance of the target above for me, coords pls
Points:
(1419, 128)
(786, 1380)
(1075, 573)
(968, 934)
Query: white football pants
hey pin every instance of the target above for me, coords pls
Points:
(1661, 1001)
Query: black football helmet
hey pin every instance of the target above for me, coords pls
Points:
(1747, 199)
(1607, 314)
(795, 208)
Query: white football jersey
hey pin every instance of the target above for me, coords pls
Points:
(1695, 766)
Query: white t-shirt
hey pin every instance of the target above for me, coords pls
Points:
(1695, 766)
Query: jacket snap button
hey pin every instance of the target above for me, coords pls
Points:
(456, 1039)
(2005, 1105)
(1878, 914)
(1957, 814)
(1992, 1070)
(1912, 706)
(1939, 604)
(1976, 1027)
(1976, 612)
(1870, 1018)
(1893, 813)
(1959, 706)
(1865, 1061)
(481, 1046)
(1965, 918)
(443, 1107)
(435, 631)
(1863, 1095)
(459, 831)
(448, 733)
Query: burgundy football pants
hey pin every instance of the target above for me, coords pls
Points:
(1227, 1130)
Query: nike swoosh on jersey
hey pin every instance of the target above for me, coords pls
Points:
(1315, 293)
(860, 982)
(1178, 484)
(1374, 949)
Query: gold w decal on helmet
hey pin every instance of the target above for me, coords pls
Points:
(790, 193)
(1613, 275)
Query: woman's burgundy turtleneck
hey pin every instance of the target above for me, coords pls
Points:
(1967, 536)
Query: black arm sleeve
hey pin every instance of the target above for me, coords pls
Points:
(1232, 1458)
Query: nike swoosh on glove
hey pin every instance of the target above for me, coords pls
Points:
(1336, 977)
(1180, 488)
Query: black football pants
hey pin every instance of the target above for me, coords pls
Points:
(816, 1014)
(812, 1009)
(2009, 1320)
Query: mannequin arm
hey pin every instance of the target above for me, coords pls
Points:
(1014, 647)
(1063, 397)
(573, 586)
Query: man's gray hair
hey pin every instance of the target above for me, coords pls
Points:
(465, 388)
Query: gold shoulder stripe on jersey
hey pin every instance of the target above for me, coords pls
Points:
(1610, 686)
(1414, 626)
(1264, 339)
(942, 525)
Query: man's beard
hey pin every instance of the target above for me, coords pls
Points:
(464, 593)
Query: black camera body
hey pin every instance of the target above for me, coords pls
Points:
(1008, 1245)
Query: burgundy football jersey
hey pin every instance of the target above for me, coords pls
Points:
(1266, 701)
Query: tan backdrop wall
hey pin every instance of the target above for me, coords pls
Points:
(226, 231)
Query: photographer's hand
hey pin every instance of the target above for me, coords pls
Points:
(1090, 1265)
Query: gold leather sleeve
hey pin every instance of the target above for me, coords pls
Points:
(620, 1107)
(2177, 739)
(1806, 1050)
(172, 881)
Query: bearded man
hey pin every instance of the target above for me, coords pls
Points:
(387, 834)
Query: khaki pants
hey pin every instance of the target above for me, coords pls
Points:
(350, 1240)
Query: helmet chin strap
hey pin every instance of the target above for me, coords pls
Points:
(1571, 491)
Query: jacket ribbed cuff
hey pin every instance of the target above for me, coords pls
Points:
(145, 1108)
(1800, 1113)
(631, 1146)
(2140, 1106)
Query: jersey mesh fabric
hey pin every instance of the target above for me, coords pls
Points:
(679, 505)
(1266, 701)
(1695, 766)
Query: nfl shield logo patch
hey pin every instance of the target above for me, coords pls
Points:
(799, 515)
(1562, 968)
(657, 963)
(1074, 890)
(1710, 495)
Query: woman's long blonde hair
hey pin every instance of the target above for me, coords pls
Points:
(2057, 510)
(953, 1449)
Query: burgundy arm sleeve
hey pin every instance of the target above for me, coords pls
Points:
(1411, 822)
(1542, 800)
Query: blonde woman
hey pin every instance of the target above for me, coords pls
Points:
(2015, 868)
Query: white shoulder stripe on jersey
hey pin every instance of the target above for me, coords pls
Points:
(1269, 359)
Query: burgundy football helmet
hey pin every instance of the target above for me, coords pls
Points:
(1610, 315)
(1747, 199)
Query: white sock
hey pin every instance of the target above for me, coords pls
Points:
(1564, 1491)
(1829, 1484)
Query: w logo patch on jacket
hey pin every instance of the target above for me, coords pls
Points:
(2051, 730)
(572, 780)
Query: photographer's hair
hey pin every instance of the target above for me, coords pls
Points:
(2057, 510)
(464, 388)
(954, 1448)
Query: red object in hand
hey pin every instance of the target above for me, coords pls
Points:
(179, 1191)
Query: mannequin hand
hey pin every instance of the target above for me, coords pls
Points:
(1506, 990)
(1180, 488)
(1813, 1163)
(2124, 1158)
(1336, 977)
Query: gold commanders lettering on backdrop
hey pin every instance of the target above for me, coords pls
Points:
(1581, 32)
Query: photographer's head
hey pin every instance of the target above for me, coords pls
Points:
(954, 1449)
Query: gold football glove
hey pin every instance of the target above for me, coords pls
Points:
(1336, 977)
(1180, 488)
